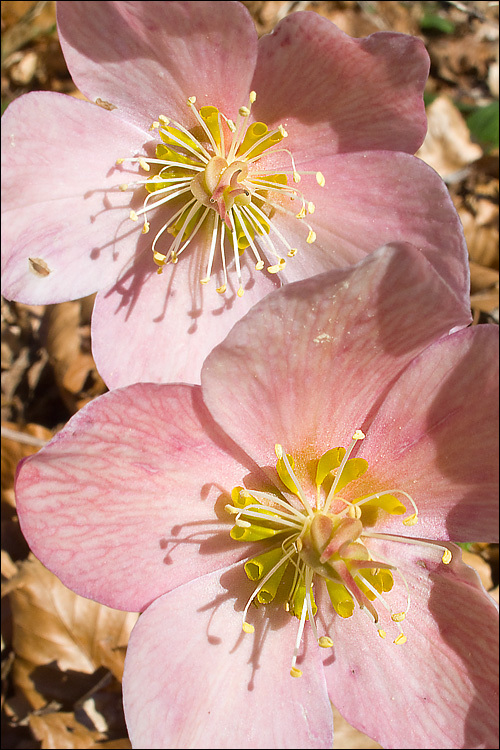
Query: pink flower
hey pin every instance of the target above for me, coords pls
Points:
(186, 502)
(353, 113)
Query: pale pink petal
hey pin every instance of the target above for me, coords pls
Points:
(172, 321)
(128, 500)
(310, 363)
(436, 436)
(194, 679)
(440, 688)
(371, 199)
(147, 58)
(335, 94)
(60, 197)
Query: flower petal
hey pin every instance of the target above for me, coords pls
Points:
(333, 345)
(193, 679)
(124, 504)
(60, 198)
(440, 688)
(147, 58)
(373, 198)
(171, 321)
(436, 435)
(337, 94)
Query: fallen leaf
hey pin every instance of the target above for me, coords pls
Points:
(447, 147)
(59, 637)
(60, 729)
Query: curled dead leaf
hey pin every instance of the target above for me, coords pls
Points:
(60, 638)
(447, 147)
(67, 339)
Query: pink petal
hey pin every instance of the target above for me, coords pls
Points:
(440, 688)
(374, 198)
(147, 58)
(128, 500)
(337, 94)
(171, 316)
(60, 197)
(436, 435)
(333, 346)
(194, 679)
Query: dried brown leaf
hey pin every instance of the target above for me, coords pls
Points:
(447, 147)
(59, 729)
(55, 630)
(68, 343)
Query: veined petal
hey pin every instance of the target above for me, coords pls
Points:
(334, 344)
(137, 481)
(374, 100)
(439, 427)
(370, 199)
(60, 198)
(193, 679)
(177, 318)
(143, 57)
(444, 671)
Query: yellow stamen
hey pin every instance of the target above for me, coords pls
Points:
(447, 556)
(325, 641)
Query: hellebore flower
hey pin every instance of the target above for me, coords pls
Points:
(189, 143)
(192, 504)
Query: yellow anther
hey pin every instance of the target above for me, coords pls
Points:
(359, 435)
(325, 642)
(145, 166)
(145, 228)
(278, 449)
(278, 267)
(411, 520)
(244, 111)
(133, 216)
(123, 186)
(292, 252)
(159, 258)
(301, 213)
(283, 131)
(240, 292)
(311, 208)
(191, 100)
(295, 672)
(311, 237)
(320, 179)
(205, 281)
(173, 257)
(296, 177)
(163, 119)
(446, 558)
(400, 639)
(382, 633)
(259, 266)
(398, 616)
(119, 161)
(252, 97)
(154, 125)
(231, 126)
(221, 289)
(247, 627)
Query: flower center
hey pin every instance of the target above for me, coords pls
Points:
(215, 178)
(311, 542)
